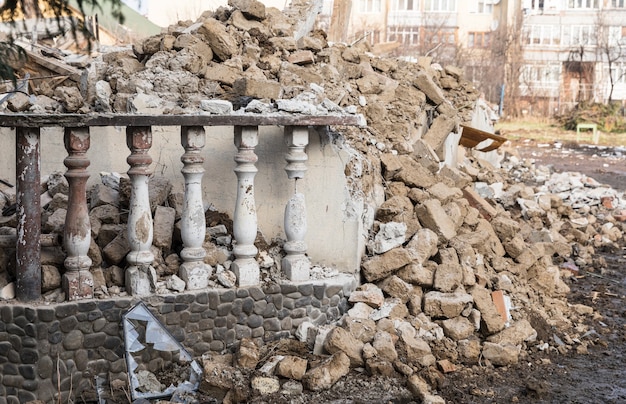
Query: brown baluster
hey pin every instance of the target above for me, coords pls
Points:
(77, 280)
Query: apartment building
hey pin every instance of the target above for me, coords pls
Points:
(574, 50)
(547, 55)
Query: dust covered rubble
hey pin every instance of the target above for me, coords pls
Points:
(459, 274)
(465, 265)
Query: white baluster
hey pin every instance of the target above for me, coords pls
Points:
(296, 264)
(140, 276)
(245, 220)
(193, 271)
(77, 280)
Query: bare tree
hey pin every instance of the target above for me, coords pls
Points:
(611, 49)
(508, 44)
(438, 38)
(12, 10)
(578, 65)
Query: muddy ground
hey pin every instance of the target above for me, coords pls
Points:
(598, 376)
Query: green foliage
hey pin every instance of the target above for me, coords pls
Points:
(609, 117)
(13, 10)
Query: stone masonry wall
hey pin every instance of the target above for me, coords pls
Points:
(72, 343)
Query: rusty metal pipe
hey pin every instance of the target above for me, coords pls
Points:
(28, 246)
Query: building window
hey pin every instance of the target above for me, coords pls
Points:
(479, 40)
(616, 36)
(618, 3)
(618, 73)
(370, 6)
(482, 6)
(440, 36)
(542, 35)
(408, 36)
(584, 3)
(440, 5)
(579, 35)
(539, 75)
(406, 5)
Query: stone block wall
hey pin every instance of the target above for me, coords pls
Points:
(45, 346)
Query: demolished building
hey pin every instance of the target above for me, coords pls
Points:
(442, 258)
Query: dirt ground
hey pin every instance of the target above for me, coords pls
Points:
(597, 376)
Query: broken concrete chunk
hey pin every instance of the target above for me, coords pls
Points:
(449, 274)
(70, 98)
(292, 367)
(447, 305)
(501, 355)
(385, 346)
(426, 84)
(458, 328)
(519, 332)
(301, 57)
(438, 132)
(390, 235)
(432, 216)
(368, 293)
(340, 340)
(248, 354)
(413, 174)
(20, 102)
(394, 286)
(491, 318)
(263, 89)
(222, 43)
(327, 373)
(216, 107)
(250, 8)
(381, 266)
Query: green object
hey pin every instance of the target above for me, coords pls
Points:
(594, 128)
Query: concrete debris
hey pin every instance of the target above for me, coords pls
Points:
(444, 238)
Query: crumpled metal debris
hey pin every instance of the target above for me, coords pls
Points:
(145, 336)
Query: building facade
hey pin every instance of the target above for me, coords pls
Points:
(547, 55)
(574, 51)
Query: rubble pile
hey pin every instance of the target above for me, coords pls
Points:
(466, 271)
(465, 265)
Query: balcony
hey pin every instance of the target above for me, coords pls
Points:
(190, 134)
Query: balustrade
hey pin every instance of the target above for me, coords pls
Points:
(140, 275)
(296, 264)
(244, 218)
(77, 280)
(193, 271)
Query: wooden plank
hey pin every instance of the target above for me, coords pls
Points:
(55, 65)
(471, 137)
(271, 119)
